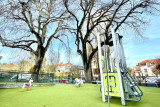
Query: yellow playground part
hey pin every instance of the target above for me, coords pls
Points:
(114, 89)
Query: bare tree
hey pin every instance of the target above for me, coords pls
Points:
(156, 68)
(0, 62)
(0, 57)
(54, 58)
(90, 16)
(31, 25)
(21, 65)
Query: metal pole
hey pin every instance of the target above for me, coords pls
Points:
(122, 60)
(100, 67)
(111, 64)
(122, 49)
(117, 66)
(106, 69)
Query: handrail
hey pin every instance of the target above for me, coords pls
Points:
(133, 81)
(136, 98)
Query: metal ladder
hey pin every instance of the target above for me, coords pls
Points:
(134, 92)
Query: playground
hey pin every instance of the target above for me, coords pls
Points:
(116, 82)
(70, 95)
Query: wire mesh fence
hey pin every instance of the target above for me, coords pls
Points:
(40, 78)
(24, 77)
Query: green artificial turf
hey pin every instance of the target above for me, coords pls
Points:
(69, 95)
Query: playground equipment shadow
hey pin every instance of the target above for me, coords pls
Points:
(69, 95)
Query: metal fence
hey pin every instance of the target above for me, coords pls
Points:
(148, 81)
(40, 78)
(24, 77)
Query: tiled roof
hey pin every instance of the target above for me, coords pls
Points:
(63, 64)
(132, 72)
(136, 68)
(135, 71)
(80, 67)
(152, 61)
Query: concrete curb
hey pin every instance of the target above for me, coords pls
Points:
(19, 85)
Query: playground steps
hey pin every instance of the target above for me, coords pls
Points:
(132, 90)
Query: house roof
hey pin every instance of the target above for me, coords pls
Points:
(80, 67)
(152, 61)
(136, 68)
(135, 71)
(63, 64)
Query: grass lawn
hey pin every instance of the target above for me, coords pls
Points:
(68, 95)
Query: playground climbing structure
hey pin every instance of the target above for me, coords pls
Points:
(116, 81)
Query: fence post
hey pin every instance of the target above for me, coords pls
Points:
(38, 77)
(52, 78)
(72, 77)
(17, 78)
(59, 79)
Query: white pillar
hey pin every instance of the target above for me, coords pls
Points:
(120, 54)
(117, 67)
(124, 58)
(110, 59)
(100, 67)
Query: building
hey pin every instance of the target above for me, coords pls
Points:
(145, 67)
(65, 69)
(135, 72)
(62, 68)
(81, 71)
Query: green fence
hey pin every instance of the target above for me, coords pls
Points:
(41, 78)
(25, 77)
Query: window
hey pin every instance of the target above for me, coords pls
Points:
(148, 64)
(139, 68)
(145, 70)
(143, 64)
(95, 71)
(82, 73)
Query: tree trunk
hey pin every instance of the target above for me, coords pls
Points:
(86, 64)
(37, 69)
(88, 72)
(38, 64)
(88, 75)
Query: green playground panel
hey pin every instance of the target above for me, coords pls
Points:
(114, 89)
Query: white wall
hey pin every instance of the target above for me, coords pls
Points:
(63, 68)
(149, 70)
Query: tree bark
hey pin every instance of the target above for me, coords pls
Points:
(40, 53)
(88, 75)
(88, 71)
